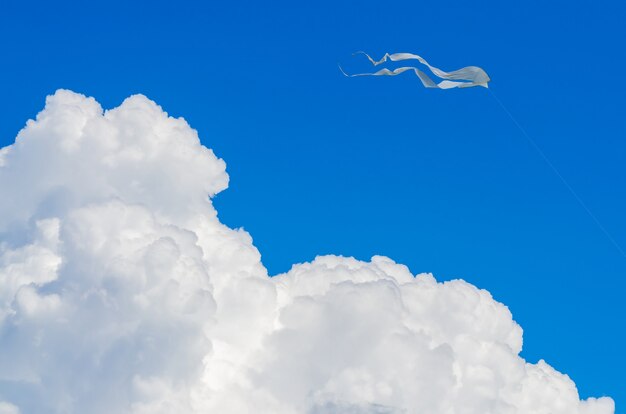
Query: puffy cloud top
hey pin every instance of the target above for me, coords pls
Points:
(120, 291)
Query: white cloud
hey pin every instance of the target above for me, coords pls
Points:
(120, 291)
(6, 408)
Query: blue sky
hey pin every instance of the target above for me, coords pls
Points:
(439, 180)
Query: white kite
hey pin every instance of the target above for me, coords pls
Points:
(463, 78)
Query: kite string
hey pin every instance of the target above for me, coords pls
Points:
(558, 174)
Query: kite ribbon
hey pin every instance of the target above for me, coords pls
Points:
(466, 77)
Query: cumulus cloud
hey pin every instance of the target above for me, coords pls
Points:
(120, 291)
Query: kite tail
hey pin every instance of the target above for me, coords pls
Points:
(462, 78)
